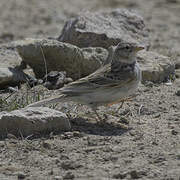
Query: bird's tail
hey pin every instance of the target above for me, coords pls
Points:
(54, 99)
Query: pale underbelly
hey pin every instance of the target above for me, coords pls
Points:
(109, 95)
(104, 97)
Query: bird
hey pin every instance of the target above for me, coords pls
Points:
(112, 83)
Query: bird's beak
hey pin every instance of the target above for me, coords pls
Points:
(139, 48)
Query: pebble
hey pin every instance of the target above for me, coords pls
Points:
(69, 175)
(134, 174)
(21, 175)
(119, 175)
(168, 84)
(46, 145)
(70, 165)
(177, 93)
(174, 132)
(58, 178)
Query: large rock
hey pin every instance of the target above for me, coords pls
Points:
(59, 56)
(103, 29)
(79, 62)
(33, 121)
(155, 67)
(9, 56)
(10, 76)
(10, 73)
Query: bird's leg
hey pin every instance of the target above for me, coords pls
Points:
(123, 100)
(98, 119)
(122, 103)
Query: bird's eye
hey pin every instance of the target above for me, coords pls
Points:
(127, 47)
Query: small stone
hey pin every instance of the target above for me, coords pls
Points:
(177, 93)
(68, 135)
(51, 172)
(58, 178)
(177, 73)
(172, 1)
(148, 84)
(119, 175)
(25, 150)
(134, 174)
(2, 144)
(159, 159)
(157, 115)
(169, 84)
(21, 175)
(174, 132)
(70, 165)
(155, 67)
(133, 132)
(68, 80)
(11, 136)
(77, 134)
(69, 175)
(57, 161)
(46, 145)
(124, 120)
(32, 120)
(55, 80)
(178, 156)
(64, 157)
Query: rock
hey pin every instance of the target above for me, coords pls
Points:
(103, 29)
(10, 76)
(177, 73)
(177, 93)
(119, 175)
(9, 56)
(66, 165)
(21, 175)
(69, 175)
(177, 63)
(174, 132)
(46, 145)
(58, 178)
(10, 73)
(79, 62)
(134, 174)
(155, 67)
(172, 1)
(59, 56)
(31, 120)
(56, 80)
(124, 120)
(137, 174)
(32, 81)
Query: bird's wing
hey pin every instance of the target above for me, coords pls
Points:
(102, 78)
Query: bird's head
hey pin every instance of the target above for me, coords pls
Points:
(126, 52)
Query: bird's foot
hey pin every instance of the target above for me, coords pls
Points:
(99, 119)
(123, 100)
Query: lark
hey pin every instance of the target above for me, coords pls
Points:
(113, 83)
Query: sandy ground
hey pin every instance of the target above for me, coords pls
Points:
(141, 140)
